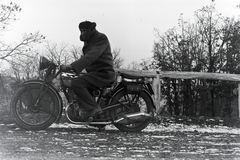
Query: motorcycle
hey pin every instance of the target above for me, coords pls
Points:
(38, 103)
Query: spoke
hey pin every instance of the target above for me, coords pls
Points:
(46, 110)
(30, 96)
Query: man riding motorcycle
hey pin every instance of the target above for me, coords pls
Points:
(97, 61)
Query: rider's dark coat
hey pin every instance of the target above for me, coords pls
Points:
(97, 60)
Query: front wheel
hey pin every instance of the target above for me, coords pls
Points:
(136, 103)
(35, 108)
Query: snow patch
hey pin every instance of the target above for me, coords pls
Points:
(170, 128)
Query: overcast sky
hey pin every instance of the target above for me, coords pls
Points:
(129, 24)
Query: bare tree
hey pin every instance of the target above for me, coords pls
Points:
(25, 68)
(75, 52)
(8, 14)
(62, 53)
(57, 54)
(117, 60)
(211, 44)
(134, 65)
(148, 64)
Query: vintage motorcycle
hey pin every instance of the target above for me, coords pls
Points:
(38, 103)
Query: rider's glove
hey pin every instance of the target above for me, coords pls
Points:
(66, 68)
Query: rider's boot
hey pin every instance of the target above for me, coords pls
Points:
(95, 111)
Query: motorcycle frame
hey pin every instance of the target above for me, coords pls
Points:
(109, 97)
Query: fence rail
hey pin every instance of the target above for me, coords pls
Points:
(157, 75)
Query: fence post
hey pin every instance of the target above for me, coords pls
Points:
(238, 100)
(157, 93)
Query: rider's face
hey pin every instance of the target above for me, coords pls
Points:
(84, 33)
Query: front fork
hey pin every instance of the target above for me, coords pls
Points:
(35, 102)
(40, 96)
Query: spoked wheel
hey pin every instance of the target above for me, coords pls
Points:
(34, 108)
(134, 103)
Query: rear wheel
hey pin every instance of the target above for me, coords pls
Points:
(136, 103)
(35, 117)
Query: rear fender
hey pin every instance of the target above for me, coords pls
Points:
(121, 87)
(38, 81)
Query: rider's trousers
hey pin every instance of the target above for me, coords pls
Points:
(80, 86)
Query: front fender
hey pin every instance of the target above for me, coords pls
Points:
(38, 81)
(31, 81)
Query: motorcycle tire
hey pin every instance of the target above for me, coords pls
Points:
(143, 104)
(29, 116)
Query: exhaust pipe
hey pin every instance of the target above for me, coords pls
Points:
(84, 122)
(133, 118)
(87, 122)
(125, 119)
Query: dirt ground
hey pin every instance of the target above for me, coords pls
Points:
(66, 141)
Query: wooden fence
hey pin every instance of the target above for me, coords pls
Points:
(157, 75)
